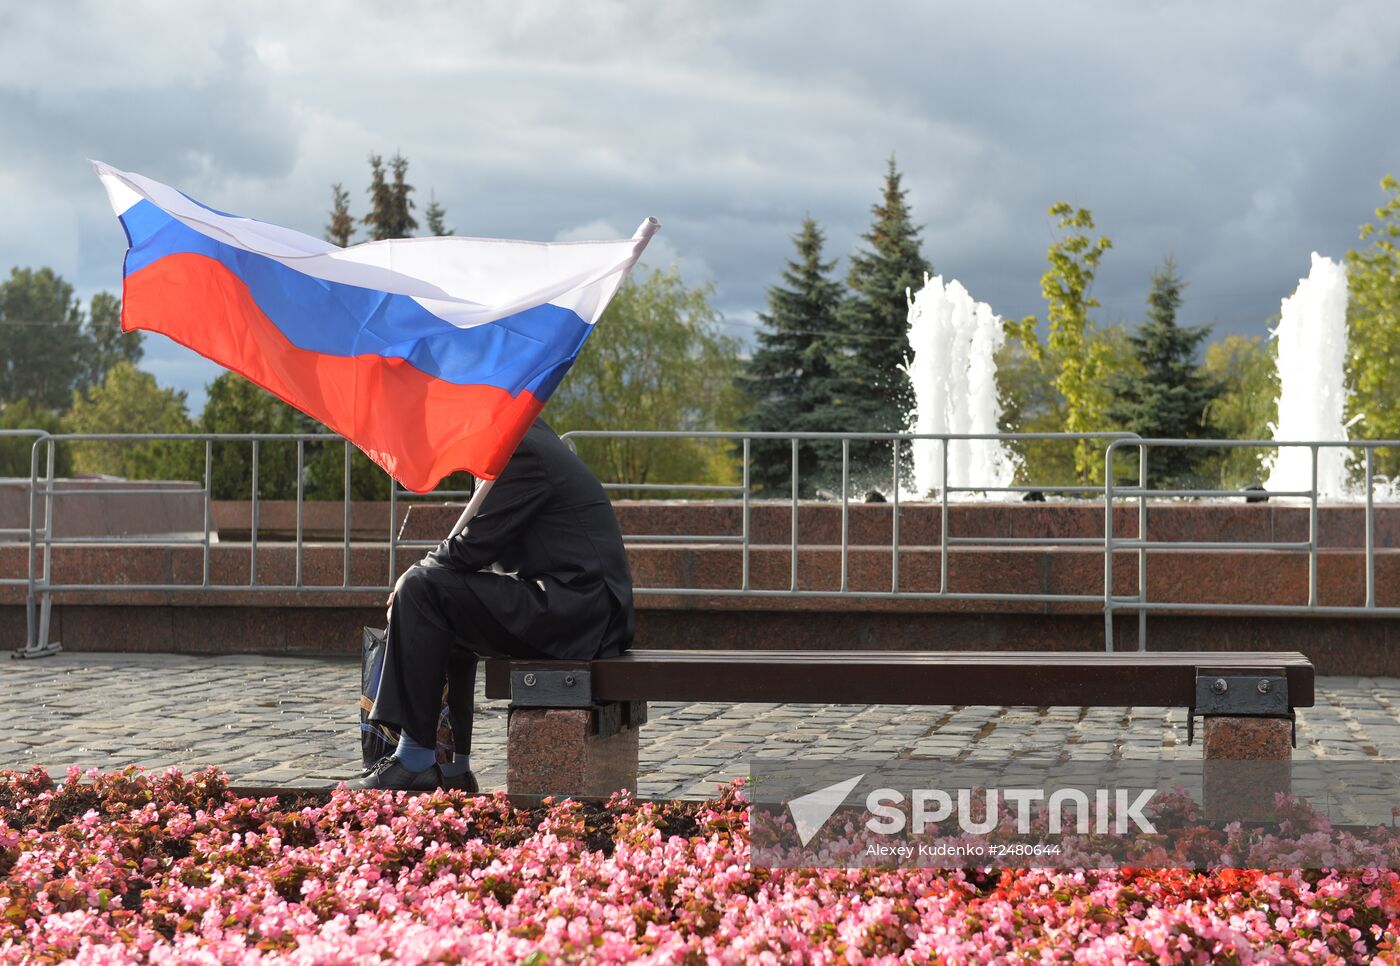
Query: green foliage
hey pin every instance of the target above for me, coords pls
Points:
(1244, 371)
(108, 345)
(1373, 322)
(1080, 359)
(658, 361)
(236, 405)
(1166, 398)
(404, 223)
(129, 401)
(41, 344)
(16, 451)
(49, 347)
(436, 216)
(381, 221)
(390, 207)
(788, 379)
(342, 223)
(1031, 403)
(873, 393)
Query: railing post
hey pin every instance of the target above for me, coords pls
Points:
(38, 599)
(253, 524)
(943, 522)
(894, 520)
(52, 459)
(1370, 529)
(208, 502)
(393, 530)
(1312, 532)
(745, 576)
(793, 527)
(30, 625)
(1108, 547)
(845, 508)
(1142, 549)
(345, 560)
(301, 493)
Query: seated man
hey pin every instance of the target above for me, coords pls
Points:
(539, 572)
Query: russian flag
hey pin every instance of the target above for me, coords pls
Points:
(429, 354)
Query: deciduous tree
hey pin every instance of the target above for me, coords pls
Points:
(1244, 370)
(130, 401)
(108, 346)
(49, 347)
(657, 360)
(1079, 359)
(1373, 323)
(16, 452)
(236, 405)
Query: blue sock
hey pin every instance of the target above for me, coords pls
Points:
(414, 756)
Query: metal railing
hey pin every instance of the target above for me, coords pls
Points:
(36, 626)
(44, 491)
(1142, 606)
(897, 477)
(41, 536)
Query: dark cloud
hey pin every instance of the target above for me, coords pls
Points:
(1239, 137)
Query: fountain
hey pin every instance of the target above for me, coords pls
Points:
(1312, 346)
(953, 371)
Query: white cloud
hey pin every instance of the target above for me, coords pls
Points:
(1235, 136)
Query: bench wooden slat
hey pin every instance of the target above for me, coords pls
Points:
(1011, 678)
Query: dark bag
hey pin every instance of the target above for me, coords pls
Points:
(379, 740)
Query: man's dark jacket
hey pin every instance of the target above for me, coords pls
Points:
(548, 520)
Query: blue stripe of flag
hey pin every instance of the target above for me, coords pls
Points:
(517, 353)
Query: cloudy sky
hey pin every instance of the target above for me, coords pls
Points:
(1239, 136)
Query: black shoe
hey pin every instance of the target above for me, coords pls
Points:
(465, 782)
(388, 774)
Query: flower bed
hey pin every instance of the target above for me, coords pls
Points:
(174, 869)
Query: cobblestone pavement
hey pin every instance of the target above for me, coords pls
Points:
(284, 721)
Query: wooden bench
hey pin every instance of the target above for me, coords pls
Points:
(573, 726)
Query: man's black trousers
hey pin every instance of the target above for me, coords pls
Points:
(441, 622)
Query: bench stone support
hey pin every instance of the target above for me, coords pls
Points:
(581, 752)
(1247, 761)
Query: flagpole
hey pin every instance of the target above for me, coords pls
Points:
(483, 487)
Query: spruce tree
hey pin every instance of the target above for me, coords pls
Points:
(1168, 400)
(789, 376)
(436, 216)
(342, 224)
(873, 392)
(381, 219)
(404, 224)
